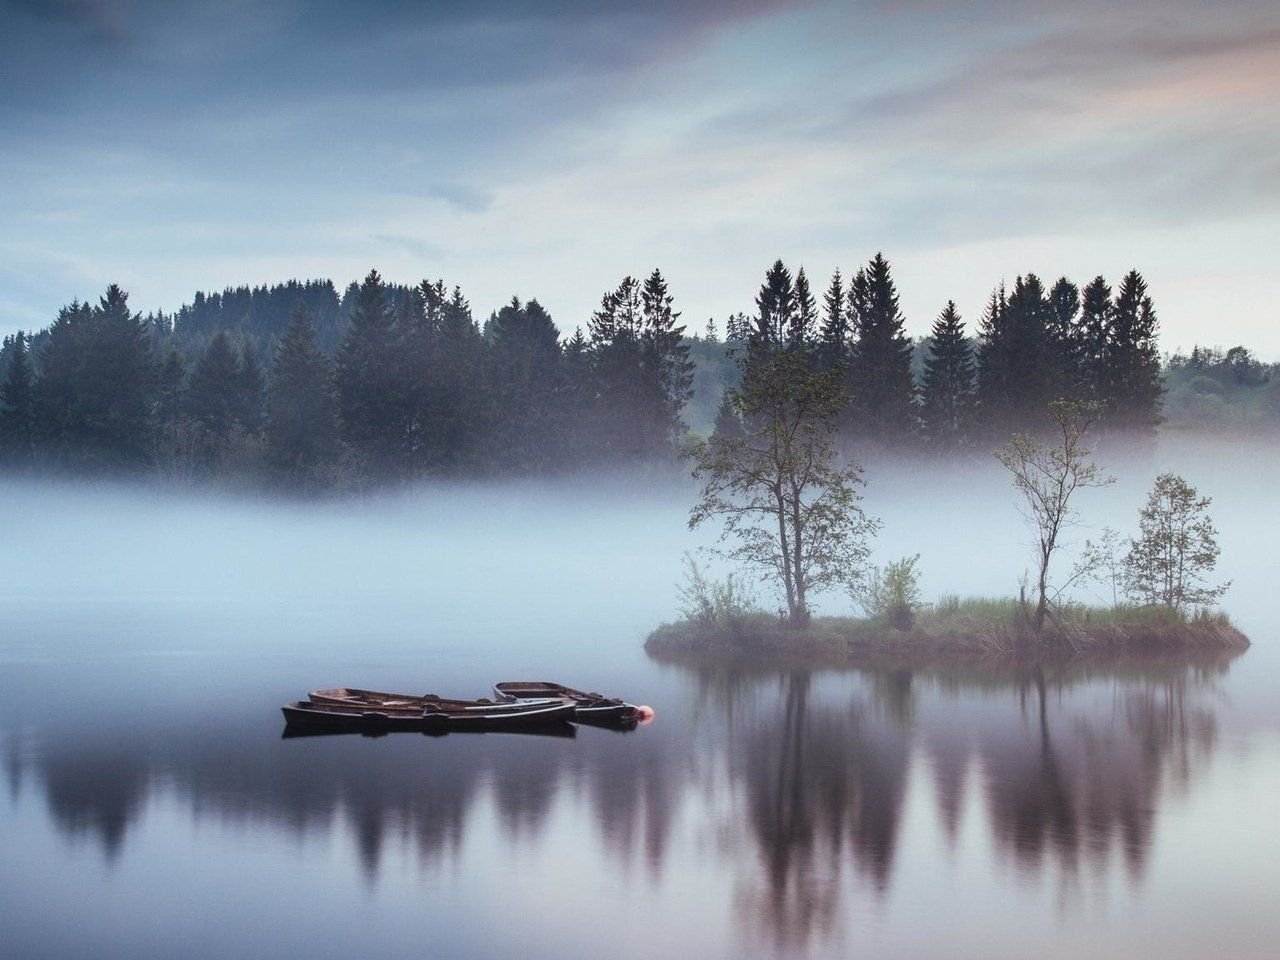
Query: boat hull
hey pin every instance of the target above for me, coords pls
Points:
(310, 714)
(592, 708)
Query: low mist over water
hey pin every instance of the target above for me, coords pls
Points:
(148, 639)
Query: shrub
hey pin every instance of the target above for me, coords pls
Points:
(714, 603)
(892, 593)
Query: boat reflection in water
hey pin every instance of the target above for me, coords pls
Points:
(789, 798)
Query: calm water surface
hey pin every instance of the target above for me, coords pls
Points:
(152, 808)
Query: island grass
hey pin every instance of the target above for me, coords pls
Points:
(953, 629)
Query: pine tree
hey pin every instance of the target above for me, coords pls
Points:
(370, 412)
(1016, 381)
(410, 388)
(214, 398)
(728, 425)
(17, 401)
(580, 427)
(524, 381)
(667, 367)
(621, 394)
(834, 339)
(1066, 344)
(95, 395)
(949, 392)
(301, 428)
(804, 320)
(1132, 370)
(880, 371)
(993, 366)
(1092, 334)
(457, 374)
(251, 383)
(171, 398)
(775, 307)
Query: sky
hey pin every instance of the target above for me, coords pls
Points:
(541, 149)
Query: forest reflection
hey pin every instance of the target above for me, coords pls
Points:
(800, 780)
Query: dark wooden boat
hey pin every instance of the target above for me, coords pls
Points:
(431, 716)
(408, 703)
(588, 707)
(564, 729)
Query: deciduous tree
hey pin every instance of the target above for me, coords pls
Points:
(789, 507)
(1047, 475)
(1176, 549)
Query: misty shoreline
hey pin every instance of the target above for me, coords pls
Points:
(1095, 636)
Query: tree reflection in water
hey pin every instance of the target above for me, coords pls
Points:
(802, 780)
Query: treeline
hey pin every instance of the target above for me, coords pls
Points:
(389, 381)
(1222, 390)
(414, 388)
(1034, 344)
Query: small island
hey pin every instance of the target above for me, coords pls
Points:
(950, 631)
(789, 505)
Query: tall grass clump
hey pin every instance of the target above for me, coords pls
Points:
(725, 608)
(891, 594)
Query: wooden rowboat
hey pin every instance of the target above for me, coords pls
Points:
(430, 715)
(589, 707)
(356, 699)
(292, 731)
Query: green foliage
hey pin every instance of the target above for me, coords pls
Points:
(880, 382)
(891, 594)
(422, 392)
(788, 506)
(1176, 549)
(301, 431)
(1047, 476)
(95, 395)
(722, 604)
(17, 402)
(1216, 390)
(948, 408)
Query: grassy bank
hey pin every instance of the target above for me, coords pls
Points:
(953, 629)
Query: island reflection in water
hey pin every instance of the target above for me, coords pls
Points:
(786, 799)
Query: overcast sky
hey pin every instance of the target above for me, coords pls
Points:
(546, 150)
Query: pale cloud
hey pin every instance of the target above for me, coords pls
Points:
(547, 149)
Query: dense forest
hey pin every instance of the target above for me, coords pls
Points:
(302, 385)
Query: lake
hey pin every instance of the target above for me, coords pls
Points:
(151, 806)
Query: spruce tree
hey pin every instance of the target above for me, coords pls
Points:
(369, 409)
(949, 392)
(97, 386)
(804, 320)
(834, 339)
(1065, 342)
(171, 390)
(728, 425)
(1132, 368)
(1017, 383)
(301, 428)
(17, 402)
(251, 384)
(1092, 334)
(621, 393)
(994, 411)
(579, 401)
(880, 370)
(214, 399)
(668, 371)
(524, 379)
(775, 307)
(457, 371)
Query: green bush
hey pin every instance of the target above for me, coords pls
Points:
(892, 593)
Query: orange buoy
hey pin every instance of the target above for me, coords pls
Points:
(644, 714)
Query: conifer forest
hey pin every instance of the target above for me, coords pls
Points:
(302, 386)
